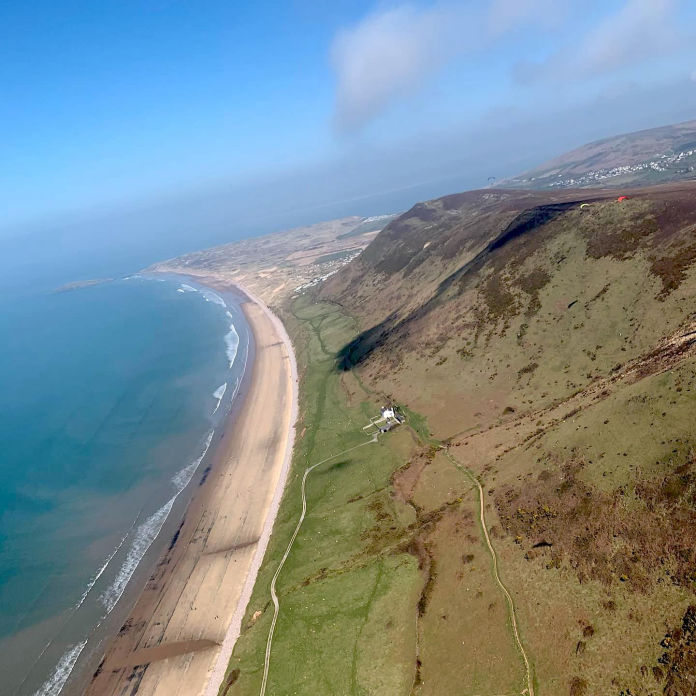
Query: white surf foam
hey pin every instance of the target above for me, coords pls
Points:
(238, 379)
(101, 570)
(232, 343)
(183, 477)
(211, 296)
(144, 536)
(55, 683)
(218, 394)
(232, 337)
(147, 532)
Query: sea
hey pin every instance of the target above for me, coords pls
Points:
(112, 398)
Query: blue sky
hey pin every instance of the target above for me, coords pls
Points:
(122, 104)
(110, 99)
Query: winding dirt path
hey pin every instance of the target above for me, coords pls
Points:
(274, 596)
(508, 597)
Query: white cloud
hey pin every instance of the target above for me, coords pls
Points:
(388, 54)
(638, 31)
(506, 15)
(392, 51)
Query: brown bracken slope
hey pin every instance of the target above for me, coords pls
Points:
(549, 339)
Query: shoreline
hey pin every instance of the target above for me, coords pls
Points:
(217, 676)
(179, 636)
(59, 654)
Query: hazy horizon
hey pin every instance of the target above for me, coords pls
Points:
(167, 128)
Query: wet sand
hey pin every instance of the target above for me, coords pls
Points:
(179, 636)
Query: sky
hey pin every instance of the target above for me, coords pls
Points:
(177, 116)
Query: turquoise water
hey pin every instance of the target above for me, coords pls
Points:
(109, 397)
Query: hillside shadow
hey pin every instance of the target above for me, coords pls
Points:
(366, 342)
(361, 347)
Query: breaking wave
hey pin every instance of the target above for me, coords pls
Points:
(101, 570)
(232, 343)
(218, 394)
(183, 477)
(144, 536)
(147, 532)
(238, 379)
(232, 337)
(55, 683)
(211, 296)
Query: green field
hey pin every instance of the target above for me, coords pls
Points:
(388, 588)
(349, 589)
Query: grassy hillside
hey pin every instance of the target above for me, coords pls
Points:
(548, 339)
(532, 527)
(653, 156)
(372, 599)
(520, 305)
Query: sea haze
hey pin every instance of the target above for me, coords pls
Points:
(110, 399)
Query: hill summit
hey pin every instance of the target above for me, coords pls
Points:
(657, 155)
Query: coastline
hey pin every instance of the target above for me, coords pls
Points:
(217, 676)
(180, 634)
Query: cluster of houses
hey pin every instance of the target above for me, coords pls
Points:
(661, 163)
(335, 266)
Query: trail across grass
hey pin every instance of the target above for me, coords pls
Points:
(274, 596)
(337, 531)
(494, 558)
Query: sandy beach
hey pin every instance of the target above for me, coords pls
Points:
(180, 635)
